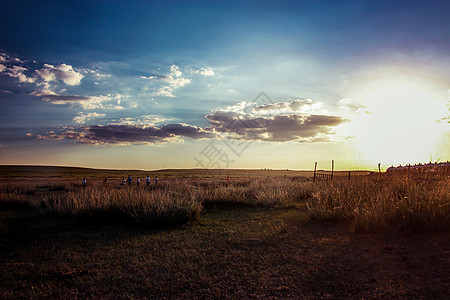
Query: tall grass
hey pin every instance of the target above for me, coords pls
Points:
(14, 196)
(174, 202)
(370, 204)
(267, 192)
(159, 206)
(374, 205)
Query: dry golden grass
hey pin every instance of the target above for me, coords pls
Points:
(100, 203)
(266, 192)
(368, 203)
(14, 195)
(373, 205)
(172, 202)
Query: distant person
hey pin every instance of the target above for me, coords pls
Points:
(105, 180)
(123, 181)
(138, 181)
(148, 180)
(156, 179)
(84, 182)
(129, 179)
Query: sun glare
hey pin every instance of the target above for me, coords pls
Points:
(402, 121)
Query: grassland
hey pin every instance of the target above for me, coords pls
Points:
(248, 237)
(15, 171)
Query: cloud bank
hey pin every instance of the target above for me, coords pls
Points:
(290, 121)
(86, 102)
(129, 134)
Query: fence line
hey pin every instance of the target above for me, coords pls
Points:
(322, 176)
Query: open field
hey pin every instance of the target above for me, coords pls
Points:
(260, 237)
(75, 172)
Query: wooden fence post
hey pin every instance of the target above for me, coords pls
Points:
(379, 169)
(332, 169)
(315, 168)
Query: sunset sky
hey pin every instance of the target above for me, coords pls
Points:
(224, 84)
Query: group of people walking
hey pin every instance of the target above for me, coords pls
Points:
(138, 180)
(129, 180)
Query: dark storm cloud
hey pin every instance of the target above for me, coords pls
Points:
(186, 130)
(129, 134)
(293, 105)
(87, 102)
(280, 128)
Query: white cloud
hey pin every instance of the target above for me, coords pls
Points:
(97, 74)
(19, 73)
(148, 77)
(349, 104)
(175, 71)
(62, 72)
(17, 68)
(5, 58)
(205, 72)
(297, 106)
(173, 79)
(87, 102)
(164, 92)
(153, 119)
(304, 106)
(82, 117)
(144, 120)
(176, 82)
(44, 93)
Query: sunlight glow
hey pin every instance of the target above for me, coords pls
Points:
(402, 121)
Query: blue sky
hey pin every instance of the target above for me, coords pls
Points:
(177, 84)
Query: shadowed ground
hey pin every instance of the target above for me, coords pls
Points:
(238, 253)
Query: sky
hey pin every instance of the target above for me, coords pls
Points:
(224, 84)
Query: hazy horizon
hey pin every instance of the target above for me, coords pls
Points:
(212, 84)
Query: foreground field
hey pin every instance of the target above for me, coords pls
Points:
(252, 238)
(237, 253)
